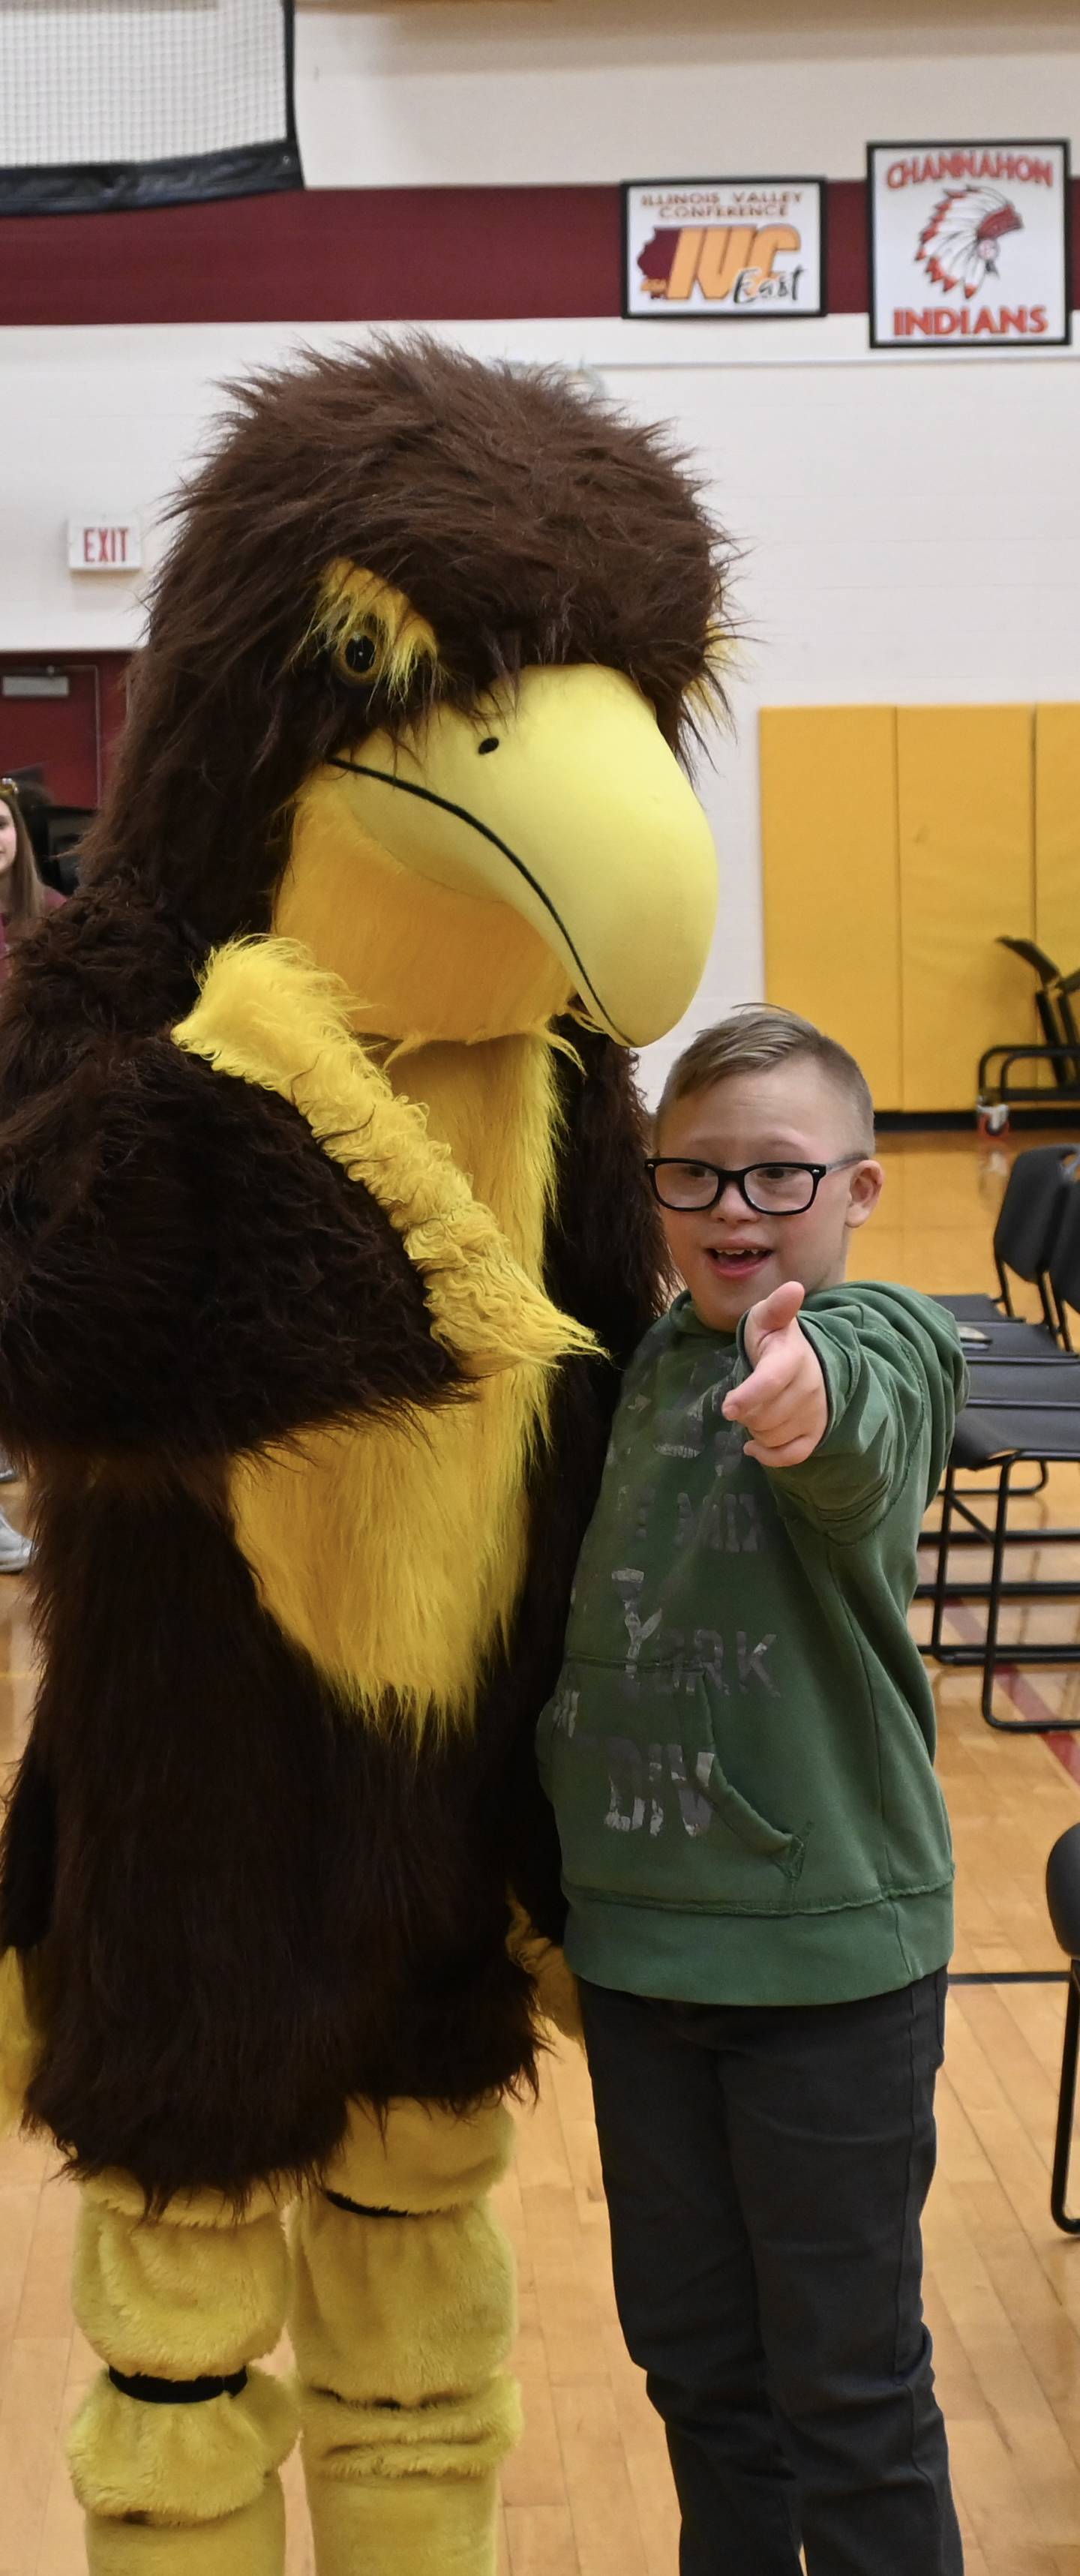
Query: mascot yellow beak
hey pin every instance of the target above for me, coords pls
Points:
(567, 805)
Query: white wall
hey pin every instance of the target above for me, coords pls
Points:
(460, 90)
(910, 524)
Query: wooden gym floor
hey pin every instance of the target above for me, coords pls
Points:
(588, 2493)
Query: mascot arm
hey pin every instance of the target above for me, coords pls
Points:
(182, 1270)
(228, 1232)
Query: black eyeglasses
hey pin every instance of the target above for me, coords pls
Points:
(771, 1189)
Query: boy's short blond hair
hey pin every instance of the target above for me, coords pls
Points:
(752, 1040)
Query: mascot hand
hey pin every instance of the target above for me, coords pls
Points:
(268, 1015)
(18, 2045)
(556, 1985)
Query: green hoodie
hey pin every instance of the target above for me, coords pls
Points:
(740, 1747)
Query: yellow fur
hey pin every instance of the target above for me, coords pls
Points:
(248, 2543)
(403, 2530)
(444, 2441)
(480, 971)
(179, 2301)
(194, 2292)
(18, 2045)
(401, 2328)
(393, 1552)
(180, 2464)
(355, 603)
(419, 2159)
(423, 2528)
(119, 2191)
(415, 2310)
(557, 1992)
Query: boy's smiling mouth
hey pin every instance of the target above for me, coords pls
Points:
(736, 1260)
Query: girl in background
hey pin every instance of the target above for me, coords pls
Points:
(24, 899)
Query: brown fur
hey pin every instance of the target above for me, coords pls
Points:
(236, 1906)
(184, 1275)
(284, 1908)
(526, 523)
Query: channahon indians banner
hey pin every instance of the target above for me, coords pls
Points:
(969, 245)
(722, 250)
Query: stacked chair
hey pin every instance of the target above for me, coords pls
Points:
(1023, 1408)
(1024, 1405)
(1024, 1236)
(1001, 1084)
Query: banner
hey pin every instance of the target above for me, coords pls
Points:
(969, 245)
(722, 250)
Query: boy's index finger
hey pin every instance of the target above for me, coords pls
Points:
(773, 1314)
(770, 1377)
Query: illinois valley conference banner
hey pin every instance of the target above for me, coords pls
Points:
(738, 250)
(970, 245)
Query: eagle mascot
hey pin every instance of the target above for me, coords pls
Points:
(324, 1234)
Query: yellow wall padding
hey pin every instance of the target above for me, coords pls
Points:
(964, 777)
(832, 907)
(1057, 835)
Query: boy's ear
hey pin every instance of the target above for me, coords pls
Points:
(865, 1188)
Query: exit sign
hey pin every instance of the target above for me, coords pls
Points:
(104, 545)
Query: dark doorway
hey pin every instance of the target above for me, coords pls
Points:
(60, 715)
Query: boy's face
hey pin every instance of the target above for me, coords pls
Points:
(730, 1256)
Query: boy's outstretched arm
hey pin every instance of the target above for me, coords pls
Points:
(842, 1404)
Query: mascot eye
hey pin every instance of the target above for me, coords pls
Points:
(360, 656)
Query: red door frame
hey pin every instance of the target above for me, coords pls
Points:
(109, 676)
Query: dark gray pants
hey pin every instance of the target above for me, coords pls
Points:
(766, 2172)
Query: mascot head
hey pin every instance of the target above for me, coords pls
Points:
(421, 662)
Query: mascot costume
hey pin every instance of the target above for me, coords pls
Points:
(323, 1235)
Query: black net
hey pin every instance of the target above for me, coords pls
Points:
(118, 103)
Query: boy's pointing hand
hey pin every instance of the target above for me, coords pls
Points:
(783, 1402)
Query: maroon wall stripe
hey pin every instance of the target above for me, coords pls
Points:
(322, 255)
(847, 247)
(362, 255)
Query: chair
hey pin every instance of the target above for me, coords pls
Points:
(1020, 1409)
(1061, 1040)
(1028, 1225)
(1063, 1899)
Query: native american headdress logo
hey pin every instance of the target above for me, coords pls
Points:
(959, 245)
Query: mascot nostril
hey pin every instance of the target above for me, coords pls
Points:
(321, 1253)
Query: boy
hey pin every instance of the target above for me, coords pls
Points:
(755, 1849)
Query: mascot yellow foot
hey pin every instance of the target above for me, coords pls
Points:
(175, 2452)
(246, 2543)
(403, 2316)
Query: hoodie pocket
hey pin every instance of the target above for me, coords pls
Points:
(646, 1809)
(775, 1843)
